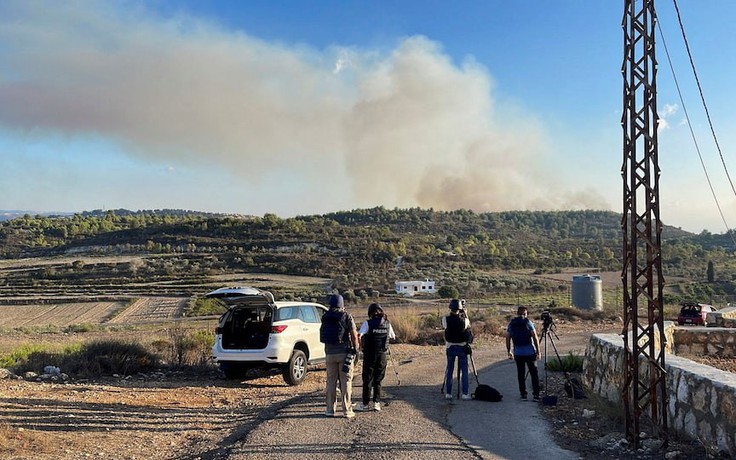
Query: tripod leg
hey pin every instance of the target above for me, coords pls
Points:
(393, 364)
(562, 366)
(545, 365)
(475, 372)
(444, 378)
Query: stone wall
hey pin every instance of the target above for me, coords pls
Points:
(711, 341)
(701, 399)
(725, 317)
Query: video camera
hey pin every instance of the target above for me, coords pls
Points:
(463, 311)
(547, 321)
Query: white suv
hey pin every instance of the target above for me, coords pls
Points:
(256, 331)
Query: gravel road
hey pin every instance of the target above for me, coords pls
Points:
(182, 416)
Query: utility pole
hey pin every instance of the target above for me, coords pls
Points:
(644, 391)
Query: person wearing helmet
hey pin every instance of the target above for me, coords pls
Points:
(375, 334)
(340, 336)
(457, 337)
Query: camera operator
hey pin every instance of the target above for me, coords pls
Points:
(458, 336)
(526, 350)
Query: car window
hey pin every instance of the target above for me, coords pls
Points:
(308, 314)
(288, 313)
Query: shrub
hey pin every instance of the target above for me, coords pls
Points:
(569, 363)
(205, 307)
(89, 360)
(19, 355)
(80, 328)
(188, 348)
(107, 357)
(448, 292)
(406, 325)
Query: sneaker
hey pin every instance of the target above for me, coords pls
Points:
(523, 397)
(329, 413)
(377, 406)
(362, 407)
(349, 414)
(537, 398)
(466, 397)
(448, 396)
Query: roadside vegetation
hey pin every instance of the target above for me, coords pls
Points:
(509, 255)
(496, 261)
(104, 351)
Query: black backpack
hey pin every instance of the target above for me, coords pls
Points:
(520, 331)
(334, 329)
(574, 388)
(487, 393)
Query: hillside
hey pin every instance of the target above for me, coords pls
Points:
(360, 250)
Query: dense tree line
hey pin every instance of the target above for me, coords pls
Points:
(365, 247)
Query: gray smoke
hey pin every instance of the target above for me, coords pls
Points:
(407, 128)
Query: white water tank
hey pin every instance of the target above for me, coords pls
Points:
(587, 292)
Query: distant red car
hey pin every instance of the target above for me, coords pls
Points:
(694, 313)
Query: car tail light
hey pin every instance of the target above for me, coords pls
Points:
(277, 329)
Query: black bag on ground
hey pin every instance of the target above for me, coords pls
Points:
(487, 393)
(574, 388)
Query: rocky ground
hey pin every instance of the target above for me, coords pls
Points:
(186, 415)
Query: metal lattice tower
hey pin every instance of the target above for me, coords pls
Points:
(644, 391)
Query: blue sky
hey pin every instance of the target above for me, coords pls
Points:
(309, 107)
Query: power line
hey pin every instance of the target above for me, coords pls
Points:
(687, 117)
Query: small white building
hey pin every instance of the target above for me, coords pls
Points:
(410, 288)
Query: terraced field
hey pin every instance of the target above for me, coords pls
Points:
(63, 314)
(151, 309)
(145, 309)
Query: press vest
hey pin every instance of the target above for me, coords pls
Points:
(377, 335)
(455, 330)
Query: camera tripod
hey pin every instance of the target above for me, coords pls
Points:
(548, 332)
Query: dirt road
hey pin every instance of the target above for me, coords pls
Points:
(166, 416)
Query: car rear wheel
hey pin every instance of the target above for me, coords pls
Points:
(296, 368)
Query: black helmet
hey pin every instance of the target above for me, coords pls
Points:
(457, 304)
(337, 302)
(374, 309)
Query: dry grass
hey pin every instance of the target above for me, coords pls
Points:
(406, 324)
(16, 441)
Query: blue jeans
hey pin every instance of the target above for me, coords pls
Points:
(456, 351)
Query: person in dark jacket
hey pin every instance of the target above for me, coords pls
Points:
(336, 350)
(375, 334)
(457, 333)
(526, 350)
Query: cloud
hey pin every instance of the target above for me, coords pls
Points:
(665, 114)
(406, 128)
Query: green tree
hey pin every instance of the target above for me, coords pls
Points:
(448, 292)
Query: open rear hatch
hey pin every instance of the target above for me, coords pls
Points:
(247, 323)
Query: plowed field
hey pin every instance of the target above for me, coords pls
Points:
(144, 309)
(63, 314)
(151, 309)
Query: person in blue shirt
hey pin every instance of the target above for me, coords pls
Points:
(526, 350)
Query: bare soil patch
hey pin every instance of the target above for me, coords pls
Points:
(151, 309)
(200, 415)
(62, 314)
